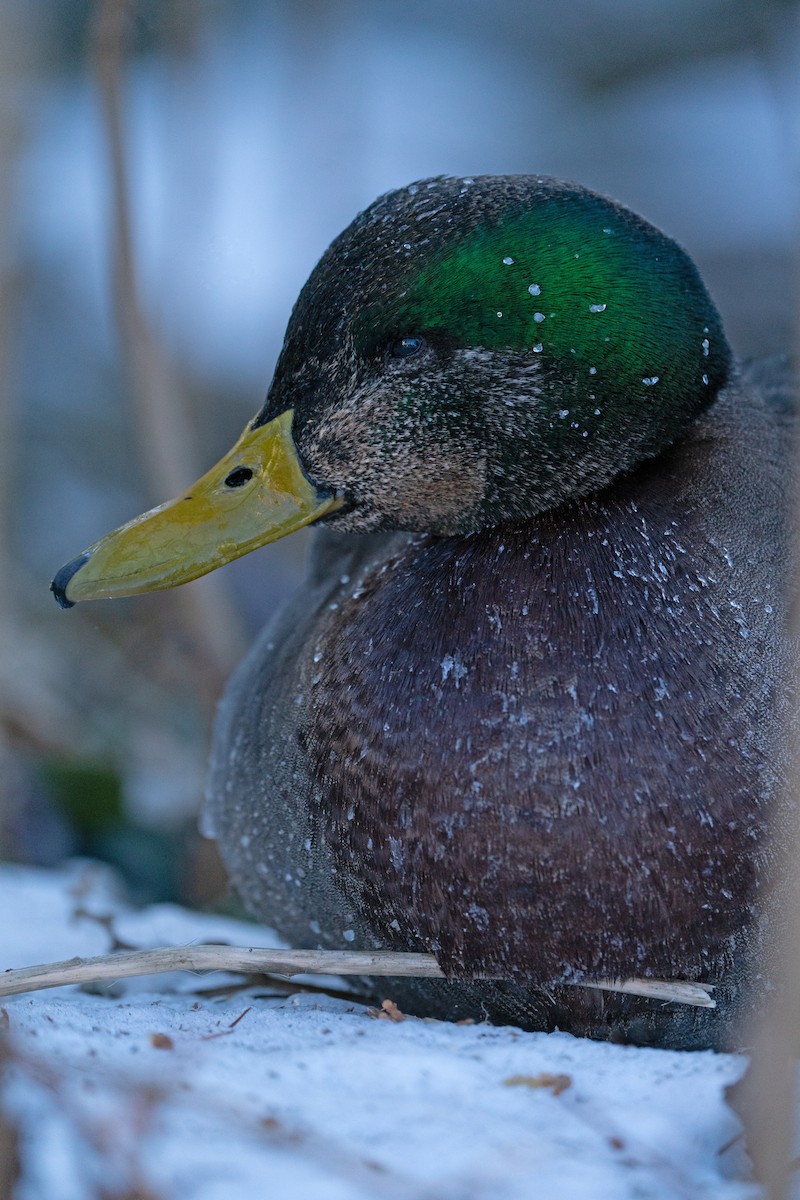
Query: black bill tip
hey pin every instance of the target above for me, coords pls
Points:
(59, 585)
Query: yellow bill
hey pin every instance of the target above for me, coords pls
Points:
(256, 494)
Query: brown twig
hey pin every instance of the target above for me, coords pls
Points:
(291, 962)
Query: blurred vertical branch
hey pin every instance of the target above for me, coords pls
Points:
(28, 706)
(768, 1094)
(167, 443)
(10, 58)
(9, 1140)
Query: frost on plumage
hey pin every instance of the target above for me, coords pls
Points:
(452, 665)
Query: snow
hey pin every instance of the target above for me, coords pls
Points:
(180, 1087)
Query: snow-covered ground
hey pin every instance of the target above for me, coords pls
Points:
(187, 1088)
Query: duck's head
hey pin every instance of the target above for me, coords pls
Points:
(467, 352)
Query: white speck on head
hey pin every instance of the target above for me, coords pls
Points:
(499, 314)
(598, 307)
(413, 189)
(564, 412)
(597, 412)
(706, 345)
(467, 181)
(607, 230)
(348, 935)
(406, 245)
(649, 380)
(508, 260)
(705, 329)
(534, 289)
(537, 349)
(705, 380)
(592, 370)
(539, 317)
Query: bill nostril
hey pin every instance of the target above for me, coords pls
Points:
(238, 477)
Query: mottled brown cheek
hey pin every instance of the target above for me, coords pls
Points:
(434, 492)
(406, 477)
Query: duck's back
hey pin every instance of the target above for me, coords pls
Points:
(543, 751)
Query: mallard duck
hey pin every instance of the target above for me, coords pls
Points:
(523, 713)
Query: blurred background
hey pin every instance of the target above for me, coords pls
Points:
(170, 171)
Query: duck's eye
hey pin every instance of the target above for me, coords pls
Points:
(405, 347)
(238, 477)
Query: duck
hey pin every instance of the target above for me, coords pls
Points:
(524, 713)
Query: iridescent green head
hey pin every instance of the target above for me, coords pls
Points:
(467, 352)
(473, 351)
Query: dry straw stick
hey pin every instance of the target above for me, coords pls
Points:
(169, 455)
(252, 960)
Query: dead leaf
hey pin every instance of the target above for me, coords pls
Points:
(388, 1011)
(391, 1012)
(556, 1083)
(161, 1041)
